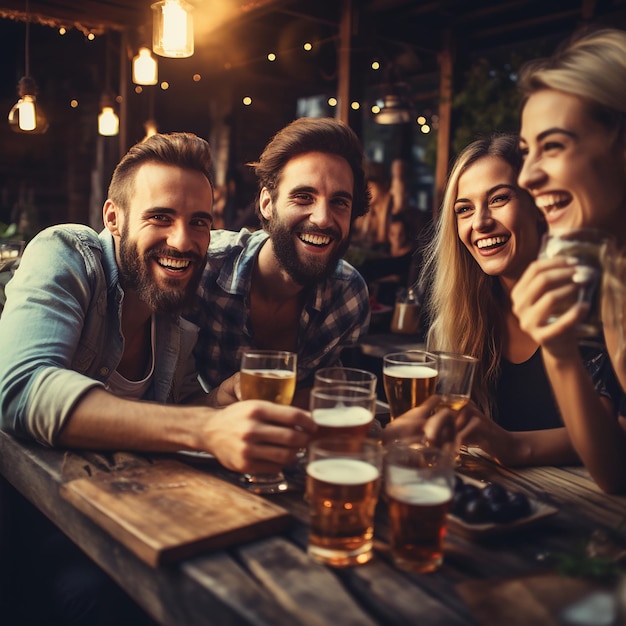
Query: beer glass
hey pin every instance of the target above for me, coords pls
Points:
(267, 375)
(342, 487)
(454, 382)
(590, 248)
(10, 251)
(419, 485)
(409, 378)
(342, 409)
(350, 375)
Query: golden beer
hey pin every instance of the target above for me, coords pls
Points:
(342, 495)
(407, 386)
(272, 385)
(452, 401)
(347, 421)
(417, 519)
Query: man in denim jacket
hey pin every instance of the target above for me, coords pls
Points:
(91, 329)
(94, 351)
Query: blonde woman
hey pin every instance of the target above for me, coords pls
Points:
(573, 138)
(487, 233)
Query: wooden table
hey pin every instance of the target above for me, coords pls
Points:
(272, 582)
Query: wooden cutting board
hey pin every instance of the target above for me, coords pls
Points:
(168, 510)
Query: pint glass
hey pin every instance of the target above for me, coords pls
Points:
(419, 485)
(342, 410)
(342, 486)
(409, 378)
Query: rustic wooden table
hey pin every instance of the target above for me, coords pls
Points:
(271, 581)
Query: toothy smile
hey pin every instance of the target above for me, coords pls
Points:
(173, 264)
(315, 239)
(549, 201)
(492, 242)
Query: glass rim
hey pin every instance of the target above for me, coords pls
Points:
(341, 389)
(455, 355)
(395, 355)
(368, 374)
(263, 352)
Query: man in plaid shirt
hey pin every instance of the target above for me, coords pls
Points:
(286, 287)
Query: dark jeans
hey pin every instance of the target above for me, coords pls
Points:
(48, 581)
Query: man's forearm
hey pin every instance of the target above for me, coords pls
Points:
(103, 421)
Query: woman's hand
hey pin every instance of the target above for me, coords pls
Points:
(545, 291)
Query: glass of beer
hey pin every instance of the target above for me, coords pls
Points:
(409, 378)
(342, 409)
(591, 248)
(342, 487)
(350, 375)
(454, 382)
(419, 485)
(267, 375)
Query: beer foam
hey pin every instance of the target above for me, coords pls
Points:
(341, 471)
(270, 373)
(420, 493)
(342, 416)
(410, 371)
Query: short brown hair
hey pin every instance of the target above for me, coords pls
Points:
(184, 150)
(305, 135)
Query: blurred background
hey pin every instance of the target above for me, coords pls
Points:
(417, 80)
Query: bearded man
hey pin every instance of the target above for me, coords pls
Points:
(95, 354)
(286, 286)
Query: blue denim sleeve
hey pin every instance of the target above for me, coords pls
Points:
(40, 329)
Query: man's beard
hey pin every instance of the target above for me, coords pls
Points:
(313, 270)
(171, 298)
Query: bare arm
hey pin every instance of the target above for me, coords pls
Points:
(251, 436)
(597, 436)
(551, 446)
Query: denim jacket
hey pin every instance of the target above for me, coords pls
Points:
(60, 334)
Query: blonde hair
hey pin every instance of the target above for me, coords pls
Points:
(465, 305)
(592, 66)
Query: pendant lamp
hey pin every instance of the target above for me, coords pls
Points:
(172, 29)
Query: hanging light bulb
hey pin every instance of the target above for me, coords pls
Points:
(145, 71)
(23, 113)
(108, 121)
(24, 116)
(172, 32)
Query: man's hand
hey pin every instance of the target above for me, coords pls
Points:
(257, 437)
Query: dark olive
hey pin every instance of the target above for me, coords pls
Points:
(476, 511)
(495, 492)
(501, 511)
(470, 492)
(458, 503)
(519, 504)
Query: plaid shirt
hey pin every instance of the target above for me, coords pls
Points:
(335, 314)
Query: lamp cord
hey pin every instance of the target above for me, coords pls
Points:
(27, 43)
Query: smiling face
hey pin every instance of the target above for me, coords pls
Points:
(162, 238)
(573, 166)
(309, 220)
(496, 220)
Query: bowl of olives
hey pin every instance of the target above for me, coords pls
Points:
(491, 508)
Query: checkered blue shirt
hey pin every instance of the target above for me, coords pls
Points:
(335, 314)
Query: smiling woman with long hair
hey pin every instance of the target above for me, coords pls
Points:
(487, 232)
(573, 138)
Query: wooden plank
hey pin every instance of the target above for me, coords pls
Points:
(298, 583)
(168, 510)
